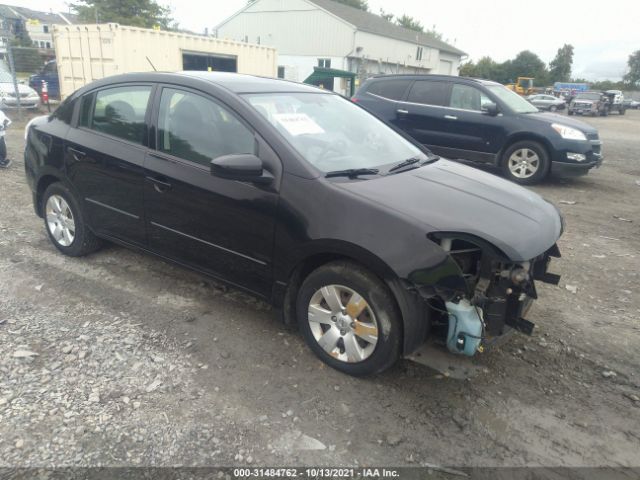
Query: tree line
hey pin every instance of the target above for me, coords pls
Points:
(528, 64)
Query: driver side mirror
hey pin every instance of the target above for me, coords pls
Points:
(243, 167)
(490, 109)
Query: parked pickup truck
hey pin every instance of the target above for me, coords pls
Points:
(589, 103)
(616, 101)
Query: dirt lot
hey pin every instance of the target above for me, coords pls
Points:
(123, 359)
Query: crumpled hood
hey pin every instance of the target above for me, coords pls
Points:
(451, 197)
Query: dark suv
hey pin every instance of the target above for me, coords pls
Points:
(482, 121)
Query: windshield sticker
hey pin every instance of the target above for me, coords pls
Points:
(298, 123)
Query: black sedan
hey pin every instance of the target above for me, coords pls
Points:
(360, 236)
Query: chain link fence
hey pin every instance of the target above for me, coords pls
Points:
(21, 79)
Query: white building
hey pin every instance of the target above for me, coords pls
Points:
(312, 34)
(39, 25)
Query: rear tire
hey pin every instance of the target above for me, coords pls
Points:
(65, 223)
(355, 326)
(525, 162)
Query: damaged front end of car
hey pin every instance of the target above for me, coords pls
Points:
(479, 294)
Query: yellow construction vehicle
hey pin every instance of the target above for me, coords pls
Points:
(523, 86)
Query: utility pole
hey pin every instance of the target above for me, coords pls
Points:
(12, 67)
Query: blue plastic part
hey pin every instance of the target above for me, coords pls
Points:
(465, 328)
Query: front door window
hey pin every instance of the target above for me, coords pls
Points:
(197, 129)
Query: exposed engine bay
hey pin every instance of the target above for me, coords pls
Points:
(498, 295)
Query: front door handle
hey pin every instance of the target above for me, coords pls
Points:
(76, 154)
(450, 117)
(402, 111)
(160, 186)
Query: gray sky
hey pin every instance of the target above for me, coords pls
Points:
(603, 35)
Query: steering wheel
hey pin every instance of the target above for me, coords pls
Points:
(337, 147)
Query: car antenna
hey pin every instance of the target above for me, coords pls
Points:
(152, 65)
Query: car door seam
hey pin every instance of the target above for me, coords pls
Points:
(155, 224)
(104, 205)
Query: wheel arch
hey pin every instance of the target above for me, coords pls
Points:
(406, 302)
(41, 186)
(525, 136)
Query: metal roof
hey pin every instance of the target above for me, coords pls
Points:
(371, 23)
(24, 13)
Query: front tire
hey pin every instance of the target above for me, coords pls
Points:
(526, 162)
(553, 108)
(65, 224)
(349, 318)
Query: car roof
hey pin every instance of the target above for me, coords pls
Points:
(242, 83)
(235, 82)
(429, 76)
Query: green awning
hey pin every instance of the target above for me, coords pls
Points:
(319, 74)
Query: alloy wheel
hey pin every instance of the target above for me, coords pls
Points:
(343, 323)
(60, 220)
(524, 163)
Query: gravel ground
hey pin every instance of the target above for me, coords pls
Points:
(122, 359)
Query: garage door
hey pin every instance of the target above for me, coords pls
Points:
(445, 67)
(209, 62)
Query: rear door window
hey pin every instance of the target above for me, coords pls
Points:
(391, 89)
(120, 112)
(429, 92)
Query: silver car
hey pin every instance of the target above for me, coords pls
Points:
(547, 102)
(29, 98)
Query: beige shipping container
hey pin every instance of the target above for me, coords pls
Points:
(85, 53)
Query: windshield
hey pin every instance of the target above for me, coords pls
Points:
(514, 101)
(332, 133)
(588, 96)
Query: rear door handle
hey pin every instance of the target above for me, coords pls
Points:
(160, 185)
(450, 117)
(402, 111)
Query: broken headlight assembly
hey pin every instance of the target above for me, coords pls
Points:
(496, 296)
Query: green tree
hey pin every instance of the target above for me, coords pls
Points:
(21, 39)
(527, 64)
(27, 59)
(359, 4)
(468, 69)
(607, 85)
(135, 13)
(560, 67)
(633, 75)
(387, 16)
(434, 33)
(489, 69)
(409, 22)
